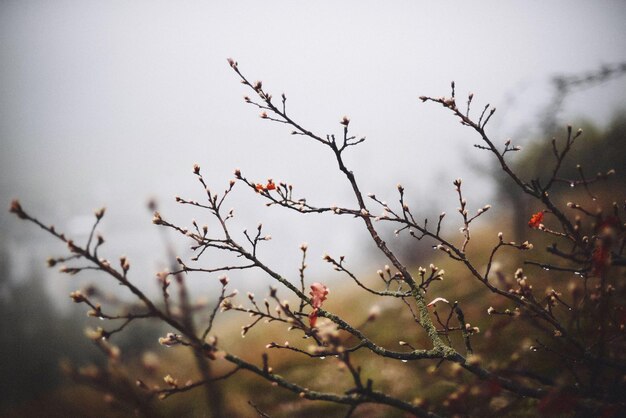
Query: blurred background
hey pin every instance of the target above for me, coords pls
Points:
(111, 103)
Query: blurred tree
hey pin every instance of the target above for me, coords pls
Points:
(564, 85)
(35, 337)
(600, 150)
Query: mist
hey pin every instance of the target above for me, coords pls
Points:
(110, 104)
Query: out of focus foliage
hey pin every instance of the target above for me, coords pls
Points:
(598, 151)
(36, 338)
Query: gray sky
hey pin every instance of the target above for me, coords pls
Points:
(110, 103)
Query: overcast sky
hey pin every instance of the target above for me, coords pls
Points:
(111, 102)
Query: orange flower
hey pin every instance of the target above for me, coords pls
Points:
(536, 220)
(319, 292)
(269, 186)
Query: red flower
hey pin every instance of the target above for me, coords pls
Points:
(270, 185)
(609, 230)
(313, 317)
(318, 293)
(536, 220)
(600, 259)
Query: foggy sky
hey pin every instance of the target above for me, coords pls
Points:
(110, 103)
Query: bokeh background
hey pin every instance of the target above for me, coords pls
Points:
(110, 104)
